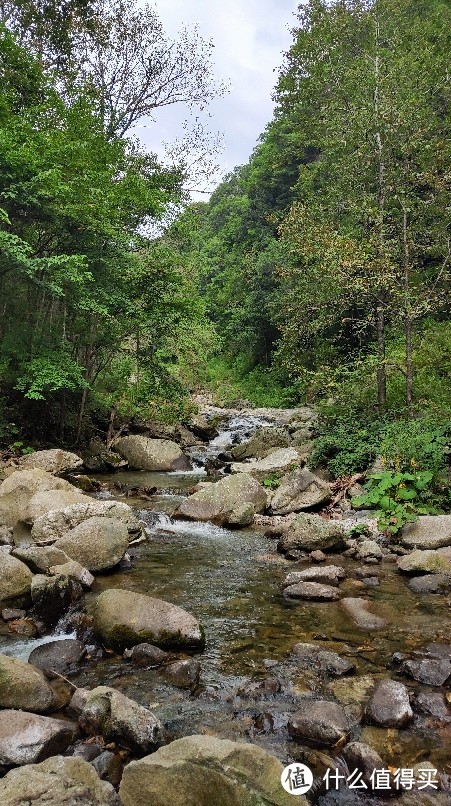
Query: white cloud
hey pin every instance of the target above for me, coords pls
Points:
(250, 37)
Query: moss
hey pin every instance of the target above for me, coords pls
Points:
(121, 637)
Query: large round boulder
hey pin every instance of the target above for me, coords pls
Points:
(203, 770)
(23, 687)
(15, 578)
(56, 523)
(28, 738)
(143, 453)
(319, 722)
(20, 488)
(223, 501)
(54, 460)
(428, 532)
(310, 532)
(124, 618)
(62, 657)
(119, 719)
(429, 561)
(300, 490)
(389, 705)
(47, 500)
(58, 780)
(97, 543)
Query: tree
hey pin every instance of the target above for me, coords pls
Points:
(136, 69)
(369, 83)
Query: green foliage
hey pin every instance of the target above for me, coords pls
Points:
(272, 482)
(233, 380)
(93, 311)
(411, 445)
(346, 449)
(398, 498)
(20, 449)
(360, 530)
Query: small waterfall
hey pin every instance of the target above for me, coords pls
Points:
(154, 521)
(237, 429)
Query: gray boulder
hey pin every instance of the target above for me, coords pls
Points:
(264, 441)
(75, 571)
(312, 590)
(223, 501)
(299, 490)
(203, 770)
(389, 705)
(428, 532)
(436, 561)
(124, 618)
(275, 463)
(242, 514)
(97, 543)
(53, 461)
(118, 719)
(59, 781)
(143, 453)
(431, 583)
(28, 738)
(430, 671)
(62, 657)
(368, 550)
(40, 558)
(327, 574)
(312, 656)
(45, 501)
(309, 532)
(15, 578)
(433, 704)
(23, 687)
(319, 722)
(146, 655)
(359, 611)
(56, 523)
(18, 490)
(183, 673)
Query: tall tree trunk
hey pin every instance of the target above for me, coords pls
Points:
(380, 307)
(381, 368)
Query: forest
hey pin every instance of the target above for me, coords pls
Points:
(317, 272)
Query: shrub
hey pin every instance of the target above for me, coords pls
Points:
(398, 498)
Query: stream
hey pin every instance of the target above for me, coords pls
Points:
(230, 580)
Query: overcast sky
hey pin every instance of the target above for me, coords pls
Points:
(250, 37)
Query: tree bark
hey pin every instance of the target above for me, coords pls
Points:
(381, 368)
(380, 307)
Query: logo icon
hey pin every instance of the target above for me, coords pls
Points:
(297, 779)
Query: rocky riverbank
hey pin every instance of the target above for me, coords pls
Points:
(312, 641)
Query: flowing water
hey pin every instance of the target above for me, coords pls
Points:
(230, 580)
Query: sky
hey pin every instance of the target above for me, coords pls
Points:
(250, 37)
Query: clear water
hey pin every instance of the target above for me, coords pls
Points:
(230, 580)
